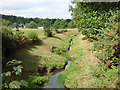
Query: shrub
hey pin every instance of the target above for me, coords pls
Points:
(14, 69)
(32, 24)
(65, 30)
(98, 24)
(10, 40)
(33, 36)
(61, 30)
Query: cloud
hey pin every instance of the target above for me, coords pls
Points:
(36, 8)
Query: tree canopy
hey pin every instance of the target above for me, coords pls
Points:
(32, 24)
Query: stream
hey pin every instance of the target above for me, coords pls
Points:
(53, 79)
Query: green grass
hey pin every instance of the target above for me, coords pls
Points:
(40, 32)
(69, 75)
(85, 70)
(35, 55)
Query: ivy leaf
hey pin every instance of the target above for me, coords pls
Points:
(15, 84)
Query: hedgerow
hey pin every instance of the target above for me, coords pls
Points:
(100, 22)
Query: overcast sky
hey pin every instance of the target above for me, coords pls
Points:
(36, 8)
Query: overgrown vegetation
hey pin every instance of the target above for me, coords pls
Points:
(11, 41)
(99, 22)
(7, 77)
(38, 61)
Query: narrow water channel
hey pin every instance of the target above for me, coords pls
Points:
(53, 79)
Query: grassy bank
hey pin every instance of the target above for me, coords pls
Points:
(85, 70)
(38, 61)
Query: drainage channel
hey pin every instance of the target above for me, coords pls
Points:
(53, 79)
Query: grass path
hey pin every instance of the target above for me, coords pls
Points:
(90, 61)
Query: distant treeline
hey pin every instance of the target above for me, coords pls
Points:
(24, 20)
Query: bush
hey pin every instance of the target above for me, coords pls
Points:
(15, 69)
(32, 24)
(65, 30)
(61, 31)
(33, 36)
(99, 24)
(10, 41)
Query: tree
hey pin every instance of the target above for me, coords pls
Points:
(32, 24)
(15, 25)
(63, 23)
(57, 25)
(26, 24)
(89, 17)
(47, 27)
(99, 21)
(6, 22)
(71, 24)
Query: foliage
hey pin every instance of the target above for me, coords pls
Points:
(26, 24)
(91, 17)
(9, 43)
(6, 22)
(63, 23)
(32, 24)
(47, 27)
(104, 77)
(10, 40)
(71, 24)
(7, 77)
(61, 30)
(100, 22)
(57, 25)
(15, 25)
(40, 80)
(33, 36)
(22, 20)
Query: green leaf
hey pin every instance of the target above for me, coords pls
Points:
(15, 84)
(8, 73)
(24, 83)
(5, 85)
(18, 69)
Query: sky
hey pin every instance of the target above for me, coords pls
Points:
(36, 8)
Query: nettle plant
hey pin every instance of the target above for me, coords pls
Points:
(7, 77)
